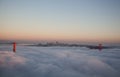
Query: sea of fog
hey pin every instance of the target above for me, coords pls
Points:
(31, 61)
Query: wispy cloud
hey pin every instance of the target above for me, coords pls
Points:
(9, 59)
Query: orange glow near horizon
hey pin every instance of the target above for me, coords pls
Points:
(50, 37)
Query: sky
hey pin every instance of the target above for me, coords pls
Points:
(60, 20)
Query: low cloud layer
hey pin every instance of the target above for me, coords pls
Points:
(10, 59)
(59, 62)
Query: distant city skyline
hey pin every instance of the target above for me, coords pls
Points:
(60, 20)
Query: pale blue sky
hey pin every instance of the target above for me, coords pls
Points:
(78, 20)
